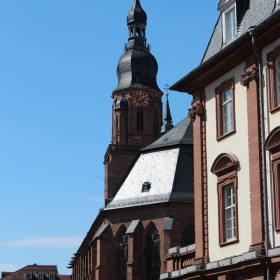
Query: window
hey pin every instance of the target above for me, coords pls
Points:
(122, 256)
(152, 251)
(229, 212)
(139, 125)
(272, 144)
(225, 168)
(188, 236)
(146, 187)
(229, 24)
(273, 68)
(27, 275)
(225, 118)
(227, 111)
(40, 275)
(51, 276)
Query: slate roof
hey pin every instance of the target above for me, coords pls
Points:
(249, 13)
(167, 165)
(182, 133)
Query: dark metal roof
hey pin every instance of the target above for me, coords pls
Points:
(121, 104)
(136, 14)
(249, 13)
(182, 133)
(138, 68)
(167, 126)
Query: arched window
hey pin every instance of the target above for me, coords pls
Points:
(152, 250)
(122, 256)
(137, 31)
(225, 168)
(188, 236)
(139, 124)
(272, 144)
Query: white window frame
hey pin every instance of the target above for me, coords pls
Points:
(224, 19)
(40, 275)
(227, 110)
(277, 78)
(51, 276)
(230, 215)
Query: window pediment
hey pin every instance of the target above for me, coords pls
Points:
(224, 163)
(272, 142)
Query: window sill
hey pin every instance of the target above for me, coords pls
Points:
(230, 242)
(275, 110)
(224, 136)
(226, 43)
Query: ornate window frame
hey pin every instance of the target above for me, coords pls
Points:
(219, 91)
(152, 252)
(225, 168)
(271, 72)
(272, 144)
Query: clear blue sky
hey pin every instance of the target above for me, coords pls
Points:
(58, 62)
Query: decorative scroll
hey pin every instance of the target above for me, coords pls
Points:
(250, 75)
(197, 109)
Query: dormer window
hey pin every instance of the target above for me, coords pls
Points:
(146, 187)
(228, 10)
(229, 24)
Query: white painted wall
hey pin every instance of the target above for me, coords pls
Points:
(238, 145)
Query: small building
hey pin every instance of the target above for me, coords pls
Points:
(35, 272)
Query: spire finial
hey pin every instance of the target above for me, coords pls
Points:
(166, 87)
(167, 114)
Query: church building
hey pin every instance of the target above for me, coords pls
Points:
(148, 176)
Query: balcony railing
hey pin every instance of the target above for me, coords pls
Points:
(179, 258)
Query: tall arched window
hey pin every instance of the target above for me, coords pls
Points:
(122, 256)
(139, 124)
(188, 236)
(152, 250)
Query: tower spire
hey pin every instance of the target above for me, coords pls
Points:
(167, 114)
(137, 21)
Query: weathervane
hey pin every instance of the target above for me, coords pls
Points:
(166, 87)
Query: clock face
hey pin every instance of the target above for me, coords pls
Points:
(140, 98)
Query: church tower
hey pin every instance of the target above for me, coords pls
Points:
(137, 106)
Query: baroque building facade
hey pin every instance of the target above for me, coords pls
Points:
(236, 122)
